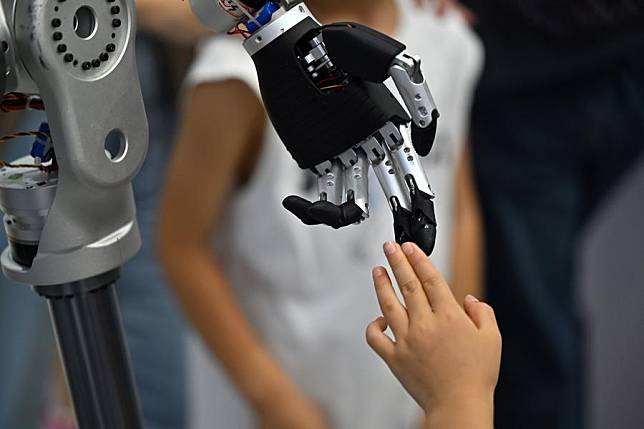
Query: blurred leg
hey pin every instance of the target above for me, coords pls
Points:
(531, 200)
(543, 163)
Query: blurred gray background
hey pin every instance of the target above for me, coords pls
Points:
(612, 279)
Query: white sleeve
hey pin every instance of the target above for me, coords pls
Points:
(221, 58)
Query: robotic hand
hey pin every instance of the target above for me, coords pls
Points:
(323, 88)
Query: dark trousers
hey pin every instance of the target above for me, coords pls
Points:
(543, 162)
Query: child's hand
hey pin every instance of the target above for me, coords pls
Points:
(446, 358)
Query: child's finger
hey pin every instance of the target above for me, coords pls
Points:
(412, 290)
(481, 313)
(378, 340)
(392, 309)
(438, 292)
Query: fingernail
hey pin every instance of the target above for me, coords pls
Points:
(390, 248)
(377, 272)
(408, 248)
(471, 298)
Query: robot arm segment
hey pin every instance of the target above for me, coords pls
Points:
(78, 56)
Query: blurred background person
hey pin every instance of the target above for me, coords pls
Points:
(171, 21)
(153, 324)
(279, 303)
(558, 120)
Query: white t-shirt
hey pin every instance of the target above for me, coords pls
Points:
(307, 290)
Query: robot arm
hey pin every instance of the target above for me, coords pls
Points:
(75, 219)
(323, 88)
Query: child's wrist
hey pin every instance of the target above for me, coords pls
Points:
(271, 395)
(472, 409)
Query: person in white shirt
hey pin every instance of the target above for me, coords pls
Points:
(283, 306)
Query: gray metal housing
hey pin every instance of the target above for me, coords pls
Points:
(91, 227)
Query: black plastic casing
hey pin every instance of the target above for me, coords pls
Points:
(361, 51)
(314, 126)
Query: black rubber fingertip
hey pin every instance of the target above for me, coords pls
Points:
(295, 204)
(351, 213)
(299, 207)
(326, 213)
(423, 138)
(426, 239)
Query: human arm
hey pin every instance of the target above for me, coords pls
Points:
(467, 249)
(447, 357)
(171, 20)
(221, 126)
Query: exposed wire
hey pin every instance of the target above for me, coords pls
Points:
(332, 87)
(42, 167)
(38, 134)
(239, 30)
(246, 11)
(15, 102)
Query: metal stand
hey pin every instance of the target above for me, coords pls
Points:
(89, 332)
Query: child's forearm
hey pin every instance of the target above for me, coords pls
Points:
(458, 414)
(211, 306)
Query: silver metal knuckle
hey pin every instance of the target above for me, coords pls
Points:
(331, 184)
(409, 79)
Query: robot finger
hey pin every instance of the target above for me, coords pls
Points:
(422, 227)
(391, 183)
(331, 181)
(336, 216)
(336, 207)
(299, 207)
(323, 212)
(405, 159)
(356, 179)
(408, 228)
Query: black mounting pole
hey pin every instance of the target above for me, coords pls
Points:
(89, 332)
